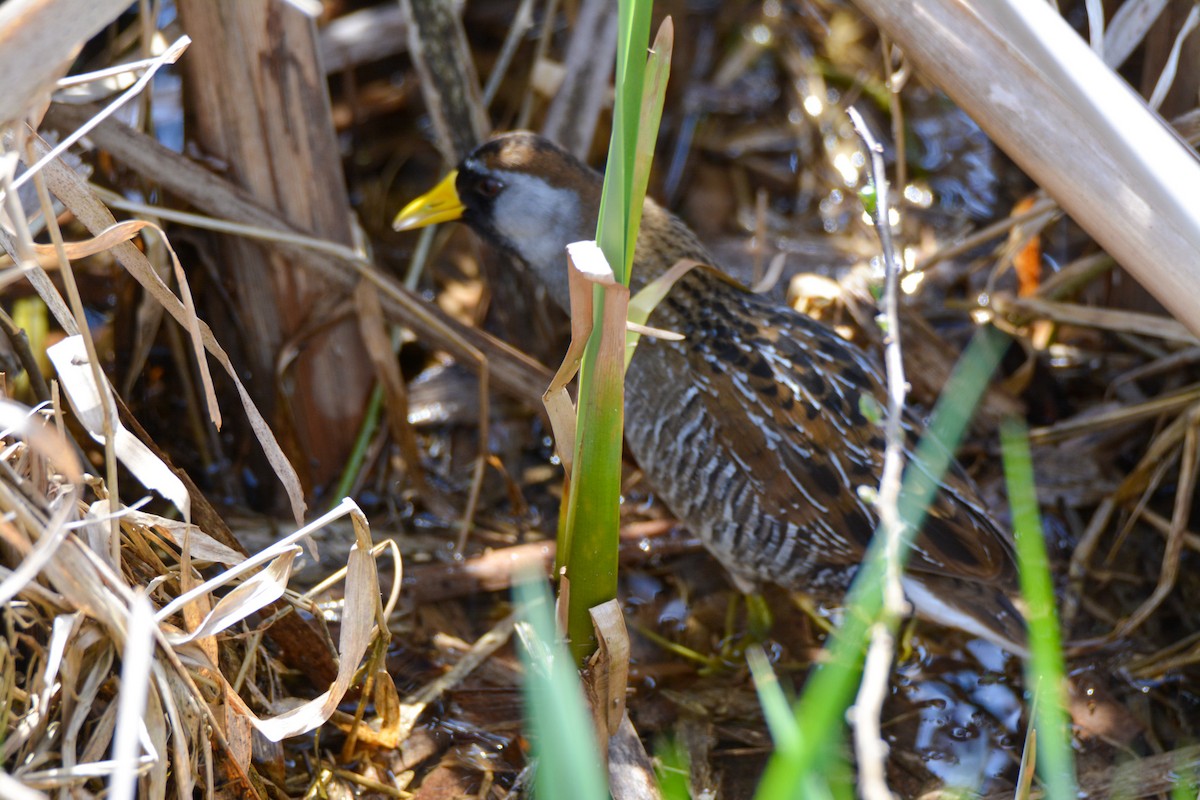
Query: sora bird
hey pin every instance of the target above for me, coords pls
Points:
(751, 428)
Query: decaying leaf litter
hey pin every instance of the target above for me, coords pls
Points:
(758, 155)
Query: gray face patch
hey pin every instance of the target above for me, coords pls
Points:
(544, 219)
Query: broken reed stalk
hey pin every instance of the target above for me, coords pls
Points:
(589, 537)
(1071, 124)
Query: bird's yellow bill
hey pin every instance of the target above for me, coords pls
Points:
(439, 204)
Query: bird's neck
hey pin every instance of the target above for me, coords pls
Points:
(663, 240)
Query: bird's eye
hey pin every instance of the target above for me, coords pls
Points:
(489, 187)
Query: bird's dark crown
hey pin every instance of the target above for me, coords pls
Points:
(487, 174)
(531, 198)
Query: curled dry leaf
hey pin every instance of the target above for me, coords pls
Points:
(74, 192)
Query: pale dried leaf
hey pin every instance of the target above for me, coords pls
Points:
(36, 558)
(358, 626)
(1167, 78)
(80, 199)
(123, 232)
(19, 420)
(609, 666)
(156, 730)
(169, 56)
(642, 305)
(248, 598)
(131, 735)
(1128, 28)
(70, 359)
(15, 789)
(201, 546)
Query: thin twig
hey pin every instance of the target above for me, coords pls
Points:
(76, 301)
(868, 738)
(993, 231)
(895, 82)
(516, 32)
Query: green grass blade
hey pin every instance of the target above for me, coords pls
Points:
(654, 91)
(590, 535)
(613, 231)
(564, 742)
(1044, 673)
(1185, 787)
(631, 55)
(671, 770)
(777, 711)
(593, 510)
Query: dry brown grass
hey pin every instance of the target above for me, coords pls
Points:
(107, 676)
